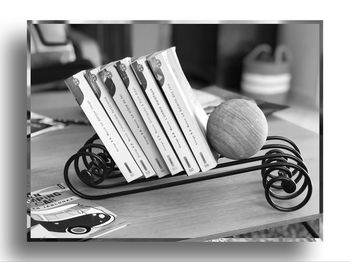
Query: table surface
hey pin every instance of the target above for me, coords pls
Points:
(192, 212)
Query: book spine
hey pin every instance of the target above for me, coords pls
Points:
(165, 116)
(124, 69)
(177, 98)
(103, 126)
(199, 112)
(119, 123)
(127, 107)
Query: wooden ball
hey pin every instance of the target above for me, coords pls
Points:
(237, 129)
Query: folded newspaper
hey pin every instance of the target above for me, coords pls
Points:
(54, 212)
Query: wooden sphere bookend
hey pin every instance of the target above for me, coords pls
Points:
(237, 129)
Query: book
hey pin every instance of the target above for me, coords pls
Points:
(126, 74)
(110, 77)
(187, 110)
(119, 122)
(164, 114)
(86, 98)
(55, 212)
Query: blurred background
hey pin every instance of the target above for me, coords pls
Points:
(279, 63)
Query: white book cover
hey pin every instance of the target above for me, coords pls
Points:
(119, 123)
(110, 76)
(103, 126)
(198, 110)
(124, 69)
(181, 101)
(165, 116)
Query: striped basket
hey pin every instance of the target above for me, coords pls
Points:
(266, 75)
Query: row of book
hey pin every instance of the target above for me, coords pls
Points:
(146, 115)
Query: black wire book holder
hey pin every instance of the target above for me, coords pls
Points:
(284, 175)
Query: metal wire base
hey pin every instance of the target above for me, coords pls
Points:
(284, 175)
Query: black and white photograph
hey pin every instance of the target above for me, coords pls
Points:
(174, 131)
(189, 131)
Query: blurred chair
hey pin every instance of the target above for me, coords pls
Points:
(57, 52)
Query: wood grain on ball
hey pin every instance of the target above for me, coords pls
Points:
(237, 129)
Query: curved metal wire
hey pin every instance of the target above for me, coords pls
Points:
(284, 175)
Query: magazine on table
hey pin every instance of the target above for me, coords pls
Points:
(39, 124)
(55, 212)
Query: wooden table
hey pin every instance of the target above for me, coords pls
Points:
(192, 212)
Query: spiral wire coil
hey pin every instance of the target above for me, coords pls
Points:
(284, 174)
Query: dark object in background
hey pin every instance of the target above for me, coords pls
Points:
(224, 95)
(234, 43)
(196, 47)
(213, 53)
(58, 72)
(269, 108)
